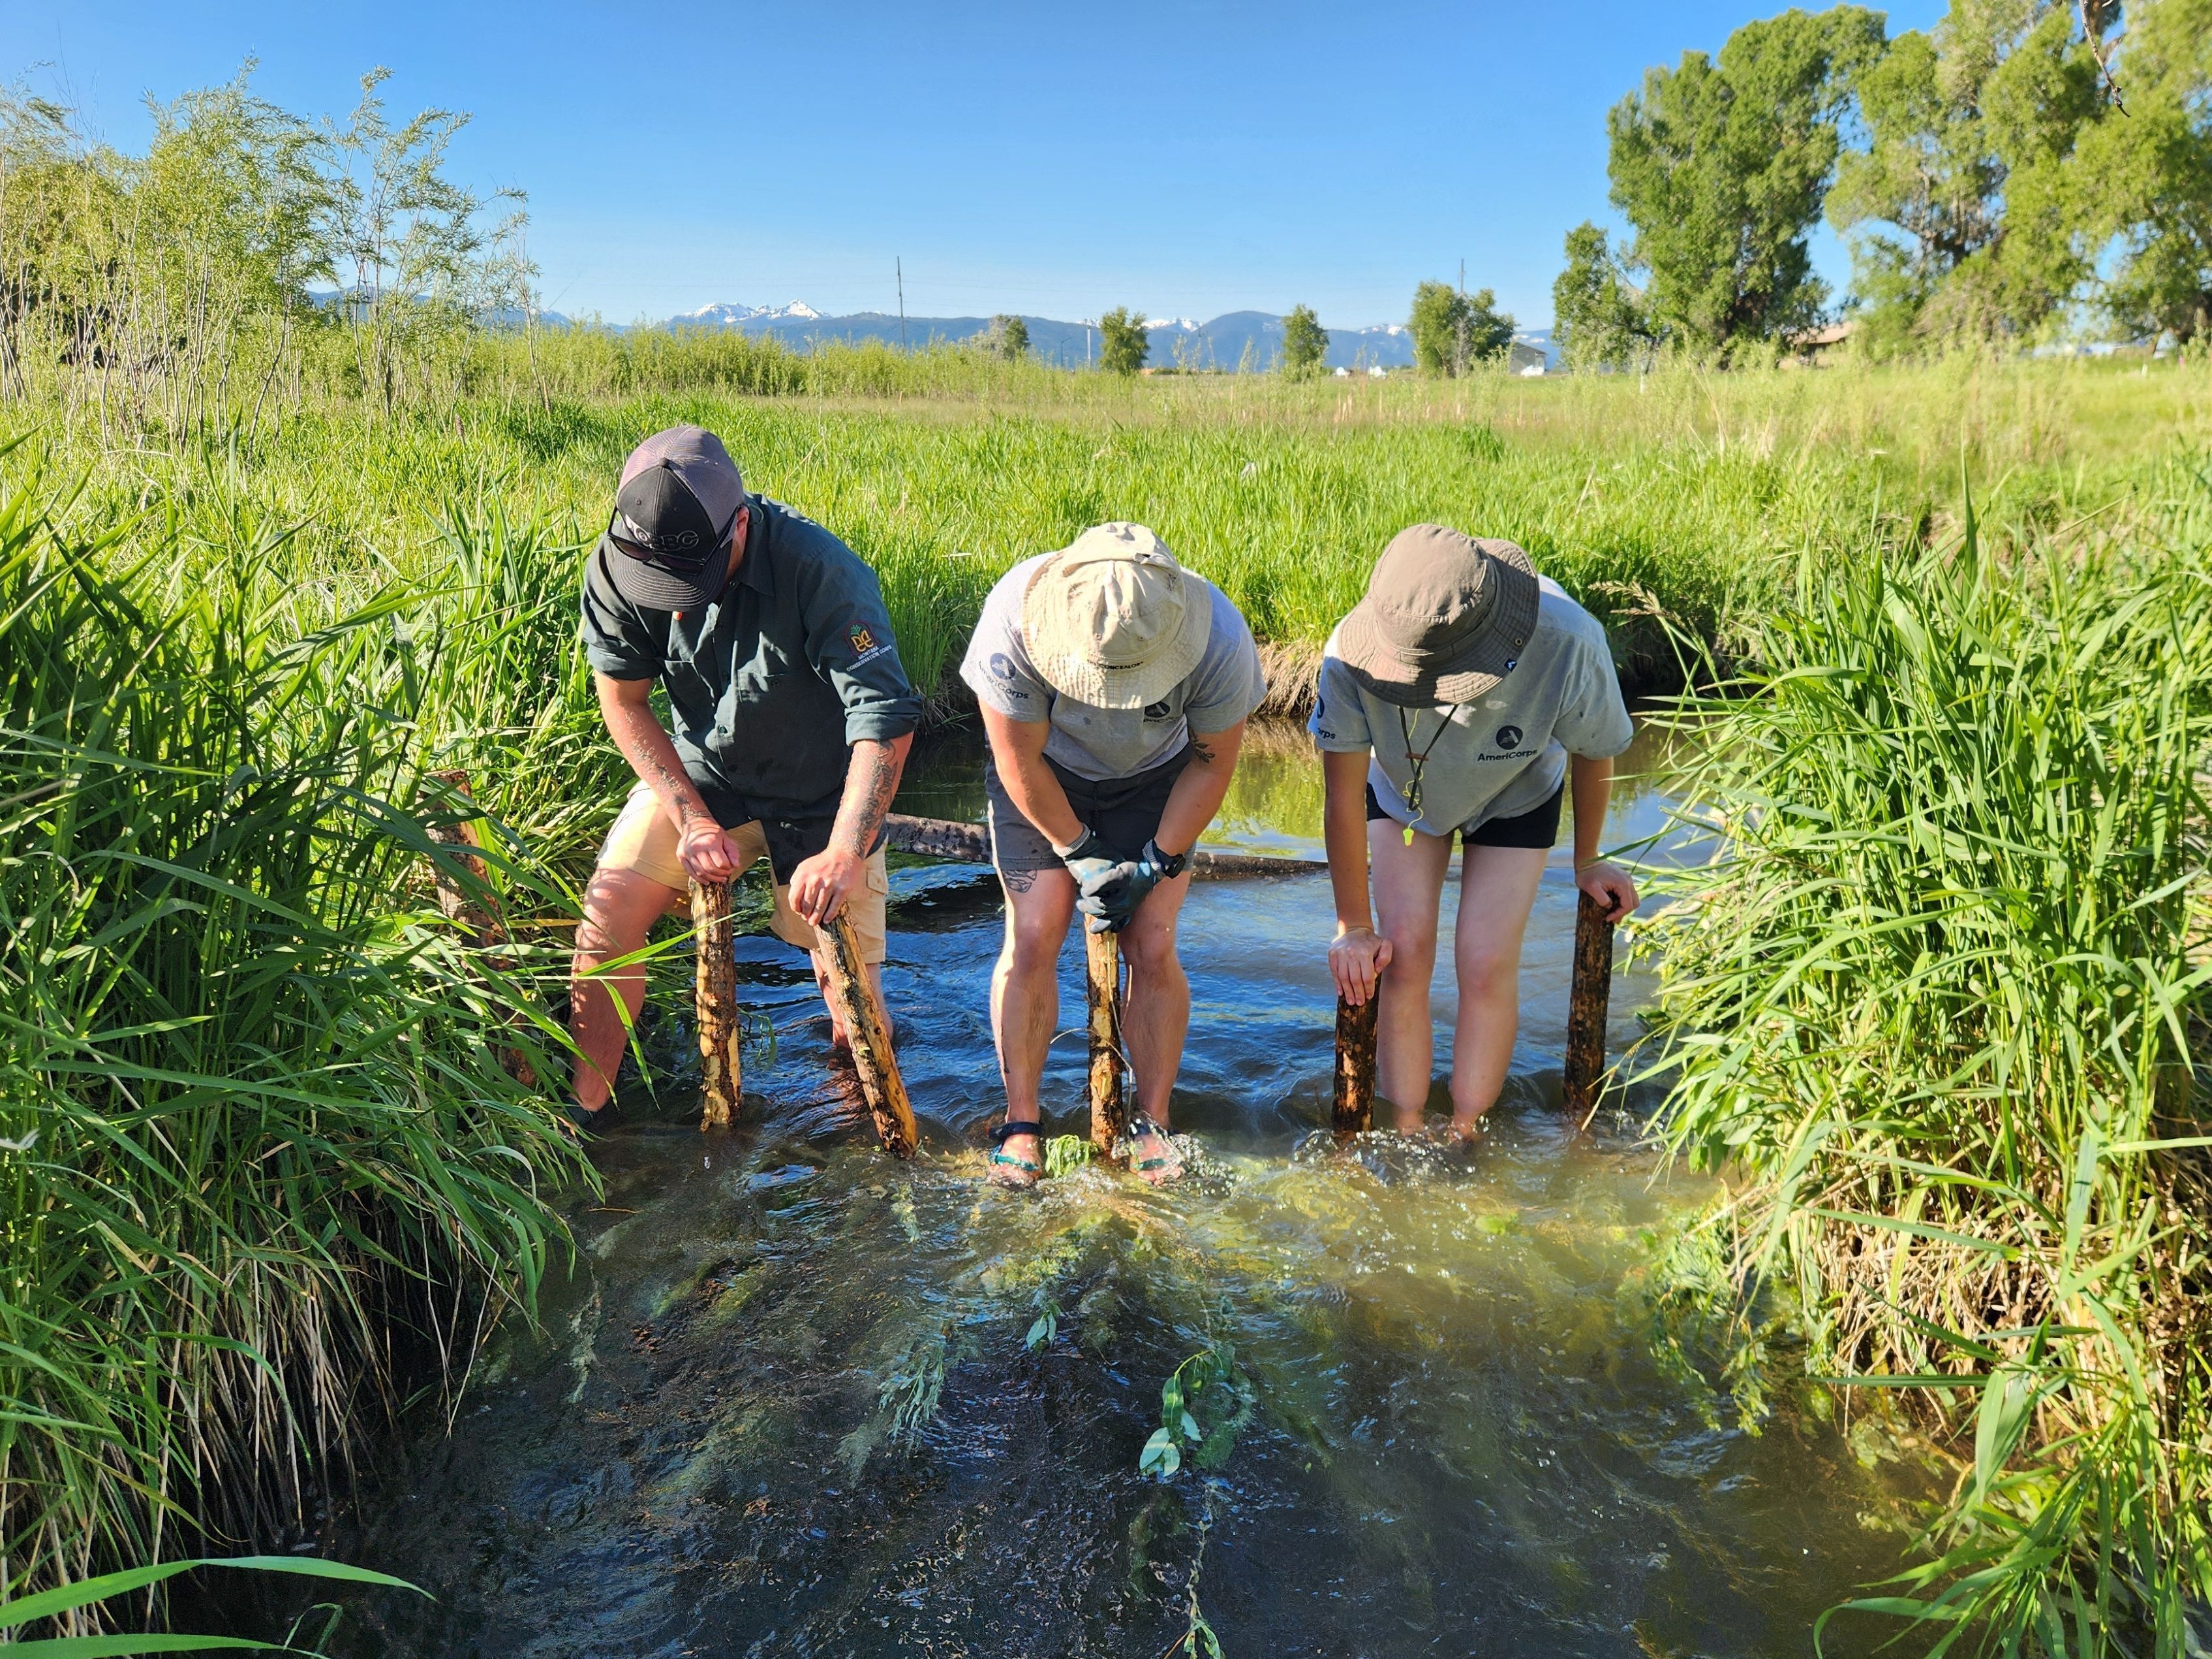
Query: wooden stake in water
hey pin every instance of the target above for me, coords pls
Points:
(721, 1075)
(462, 906)
(853, 995)
(1586, 1006)
(1109, 1107)
(1353, 1110)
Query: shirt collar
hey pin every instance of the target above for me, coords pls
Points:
(753, 569)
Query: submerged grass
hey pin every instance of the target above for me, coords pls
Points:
(1931, 1001)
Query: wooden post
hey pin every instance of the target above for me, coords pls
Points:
(1354, 1111)
(460, 905)
(1110, 1108)
(721, 1074)
(1586, 1006)
(861, 1014)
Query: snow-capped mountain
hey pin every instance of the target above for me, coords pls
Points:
(735, 316)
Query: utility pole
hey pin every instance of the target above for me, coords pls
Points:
(1459, 365)
(899, 266)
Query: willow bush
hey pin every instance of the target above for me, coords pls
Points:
(1931, 1001)
(256, 1141)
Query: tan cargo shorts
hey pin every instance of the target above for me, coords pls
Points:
(644, 841)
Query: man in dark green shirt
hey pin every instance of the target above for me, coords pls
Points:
(791, 720)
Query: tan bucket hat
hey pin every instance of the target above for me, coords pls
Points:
(1445, 618)
(1112, 620)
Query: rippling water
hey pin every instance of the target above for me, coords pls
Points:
(800, 1400)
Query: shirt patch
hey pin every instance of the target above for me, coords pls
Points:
(1158, 711)
(1508, 738)
(865, 648)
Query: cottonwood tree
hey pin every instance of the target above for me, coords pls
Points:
(2143, 180)
(1598, 318)
(1305, 344)
(1964, 208)
(1123, 344)
(1453, 330)
(1720, 166)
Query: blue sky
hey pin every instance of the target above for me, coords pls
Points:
(1187, 159)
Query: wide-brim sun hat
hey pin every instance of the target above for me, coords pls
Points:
(1112, 620)
(1446, 616)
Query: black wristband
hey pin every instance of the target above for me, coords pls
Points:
(1170, 864)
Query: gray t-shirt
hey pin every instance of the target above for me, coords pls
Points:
(1224, 688)
(1496, 757)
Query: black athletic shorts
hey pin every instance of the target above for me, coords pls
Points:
(1124, 811)
(1538, 827)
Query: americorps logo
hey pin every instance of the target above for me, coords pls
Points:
(1508, 738)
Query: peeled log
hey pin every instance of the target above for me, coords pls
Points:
(971, 843)
(721, 1075)
(1352, 1111)
(1110, 1109)
(1586, 1006)
(853, 995)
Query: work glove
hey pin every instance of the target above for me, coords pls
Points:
(1088, 857)
(1111, 896)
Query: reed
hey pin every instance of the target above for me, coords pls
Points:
(258, 1158)
(1932, 1001)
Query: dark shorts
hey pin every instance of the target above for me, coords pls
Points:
(1538, 827)
(1124, 811)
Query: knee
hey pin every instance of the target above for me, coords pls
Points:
(1149, 949)
(616, 920)
(1413, 950)
(1032, 949)
(1487, 973)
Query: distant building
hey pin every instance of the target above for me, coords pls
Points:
(1808, 347)
(1524, 359)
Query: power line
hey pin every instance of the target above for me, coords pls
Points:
(898, 266)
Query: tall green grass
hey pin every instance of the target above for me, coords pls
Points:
(255, 1140)
(1931, 1002)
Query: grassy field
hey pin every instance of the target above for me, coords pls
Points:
(251, 1127)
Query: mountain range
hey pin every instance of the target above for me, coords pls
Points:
(1234, 340)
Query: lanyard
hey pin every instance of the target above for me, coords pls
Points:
(1416, 763)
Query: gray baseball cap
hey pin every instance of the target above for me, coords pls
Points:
(668, 541)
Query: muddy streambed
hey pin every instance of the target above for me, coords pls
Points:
(799, 1399)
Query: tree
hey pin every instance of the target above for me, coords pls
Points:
(1123, 343)
(2147, 178)
(1305, 344)
(1006, 336)
(1722, 165)
(1597, 315)
(1961, 208)
(1453, 330)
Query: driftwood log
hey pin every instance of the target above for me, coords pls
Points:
(721, 1074)
(1587, 998)
(971, 844)
(853, 995)
(1352, 1110)
(1110, 1106)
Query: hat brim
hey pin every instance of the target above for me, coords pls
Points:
(1426, 681)
(652, 586)
(1124, 689)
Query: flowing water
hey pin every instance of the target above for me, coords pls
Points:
(799, 1398)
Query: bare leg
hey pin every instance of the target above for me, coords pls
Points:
(1157, 1017)
(620, 907)
(1498, 888)
(1025, 991)
(1409, 884)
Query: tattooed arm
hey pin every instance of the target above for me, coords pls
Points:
(1200, 788)
(625, 707)
(820, 885)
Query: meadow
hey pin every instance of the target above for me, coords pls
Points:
(1934, 1007)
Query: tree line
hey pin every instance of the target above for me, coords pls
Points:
(2024, 166)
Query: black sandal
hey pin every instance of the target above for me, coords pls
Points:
(1001, 1158)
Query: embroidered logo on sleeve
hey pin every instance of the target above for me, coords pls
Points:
(1002, 670)
(865, 648)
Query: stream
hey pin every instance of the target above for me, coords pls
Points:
(799, 1399)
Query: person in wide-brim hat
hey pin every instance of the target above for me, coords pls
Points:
(1457, 699)
(1114, 685)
